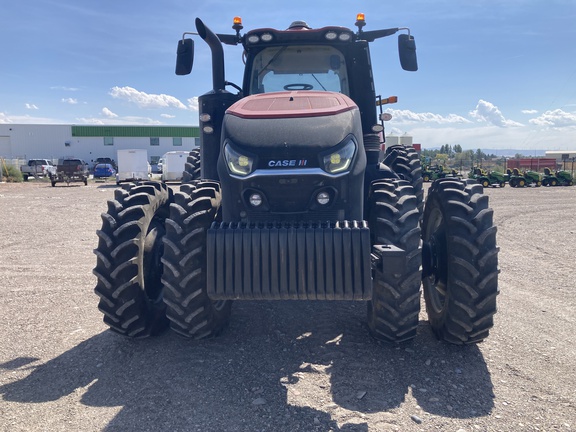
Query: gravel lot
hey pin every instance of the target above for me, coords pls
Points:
(280, 366)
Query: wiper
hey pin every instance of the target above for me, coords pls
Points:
(272, 59)
(324, 88)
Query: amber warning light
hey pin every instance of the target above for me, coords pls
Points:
(388, 100)
(360, 21)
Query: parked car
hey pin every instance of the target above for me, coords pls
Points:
(37, 167)
(103, 170)
(105, 160)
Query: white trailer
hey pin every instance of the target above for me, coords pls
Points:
(133, 165)
(173, 165)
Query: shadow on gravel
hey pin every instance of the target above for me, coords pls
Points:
(282, 366)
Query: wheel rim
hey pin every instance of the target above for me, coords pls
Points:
(435, 260)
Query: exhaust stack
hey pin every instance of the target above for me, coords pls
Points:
(218, 81)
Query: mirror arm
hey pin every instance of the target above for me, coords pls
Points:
(188, 33)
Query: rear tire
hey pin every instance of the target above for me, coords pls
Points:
(192, 167)
(407, 166)
(191, 312)
(460, 262)
(393, 219)
(128, 264)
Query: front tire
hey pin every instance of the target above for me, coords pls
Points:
(394, 220)
(128, 256)
(460, 262)
(191, 312)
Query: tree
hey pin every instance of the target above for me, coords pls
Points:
(457, 148)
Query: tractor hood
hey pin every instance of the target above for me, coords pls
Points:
(291, 104)
(297, 121)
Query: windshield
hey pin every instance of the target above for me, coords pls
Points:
(299, 67)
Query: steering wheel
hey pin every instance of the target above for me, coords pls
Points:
(298, 86)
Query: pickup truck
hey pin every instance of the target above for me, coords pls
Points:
(70, 170)
(37, 167)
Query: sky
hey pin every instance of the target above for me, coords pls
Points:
(493, 74)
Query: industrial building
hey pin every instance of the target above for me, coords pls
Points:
(20, 142)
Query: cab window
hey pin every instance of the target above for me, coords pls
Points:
(300, 67)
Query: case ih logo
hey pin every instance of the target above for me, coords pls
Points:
(287, 163)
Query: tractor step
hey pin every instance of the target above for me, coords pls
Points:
(289, 261)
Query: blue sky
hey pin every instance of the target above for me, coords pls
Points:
(493, 74)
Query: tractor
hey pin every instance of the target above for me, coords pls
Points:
(559, 178)
(287, 199)
(523, 179)
(434, 172)
(487, 178)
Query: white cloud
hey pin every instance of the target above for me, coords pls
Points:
(555, 118)
(145, 100)
(4, 119)
(489, 113)
(406, 116)
(26, 119)
(193, 103)
(108, 114)
(168, 116)
(31, 106)
(70, 101)
(129, 120)
(64, 88)
(529, 111)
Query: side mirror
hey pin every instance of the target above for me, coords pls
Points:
(407, 51)
(184, 56)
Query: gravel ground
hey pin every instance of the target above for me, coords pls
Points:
(280, 366)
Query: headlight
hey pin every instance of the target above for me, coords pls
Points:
(340, 160)
(237, 163)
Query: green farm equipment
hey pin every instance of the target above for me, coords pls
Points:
(435, 172)
(559, 178)
(487, 178)
(525, 178)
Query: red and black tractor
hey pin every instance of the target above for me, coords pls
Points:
(287, 199)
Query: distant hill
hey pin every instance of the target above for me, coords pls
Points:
(504, 152)
(513, 152)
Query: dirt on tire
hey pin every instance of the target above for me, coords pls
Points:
(284, 365)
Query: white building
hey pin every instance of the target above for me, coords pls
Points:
(20, 142)
(395, 140)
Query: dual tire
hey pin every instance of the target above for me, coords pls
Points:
(460, 262)
(151, 261)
